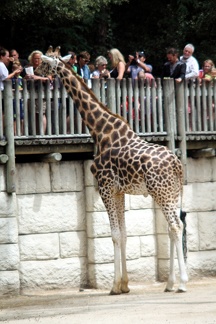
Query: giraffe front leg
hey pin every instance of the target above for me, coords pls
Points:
(116, 289)
(124, 281)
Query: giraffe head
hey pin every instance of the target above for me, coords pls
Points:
(49, 65)
(50, 62)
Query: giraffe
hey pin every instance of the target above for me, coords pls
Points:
(126, 164)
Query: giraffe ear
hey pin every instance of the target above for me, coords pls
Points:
(47, 59)
(66, 58)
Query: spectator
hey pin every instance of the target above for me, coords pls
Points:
(4, 62)
(72, 61)
(174, 68)
(117, 62)
(101, 71)
(15, 55)
(4, 74)
(192, 66)
(136, 64)
(34, 62)
(17, 79)
(82, 66)
(208, 72)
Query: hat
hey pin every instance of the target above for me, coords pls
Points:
(141, 54)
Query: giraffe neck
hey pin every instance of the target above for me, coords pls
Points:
(99, 120)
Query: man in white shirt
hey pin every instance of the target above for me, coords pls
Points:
(192, 66)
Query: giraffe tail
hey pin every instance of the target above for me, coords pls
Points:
(180, 176)
(184, 233)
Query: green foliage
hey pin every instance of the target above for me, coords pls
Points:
(98, 25)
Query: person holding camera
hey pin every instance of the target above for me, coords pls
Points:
(136, 64)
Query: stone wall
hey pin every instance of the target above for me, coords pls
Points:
(55, 233)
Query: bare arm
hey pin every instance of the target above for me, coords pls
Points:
(121, 70)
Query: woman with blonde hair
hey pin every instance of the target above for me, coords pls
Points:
(34, 61)
(117, 62)
(208, 71)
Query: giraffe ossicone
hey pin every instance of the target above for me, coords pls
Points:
(125, 164)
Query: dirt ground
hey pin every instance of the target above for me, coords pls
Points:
(146, 303)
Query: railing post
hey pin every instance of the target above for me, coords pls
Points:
(111, 97)
(9, 132)
(96, 87)
(169, 106)
(180, 114)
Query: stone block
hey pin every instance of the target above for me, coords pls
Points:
(204, 166)
(8, 204)
(73, 244)
(39, 247)
(32, 178)
(141, 202)
(142, 269)
(163, 246)
(160, 222)
(8, 230)
(57, 212)
(94, 202)
(101, 275)
(98, 224)
(192, 230)
(88, 176)
(133, 249)
(100, 250)
(67, 176)
(9, 283)
(2, 178)
(140, 222)
(200, 197)
(207, 230)
(9, 256)
(201, 264)
(148, 245)
(53, 274)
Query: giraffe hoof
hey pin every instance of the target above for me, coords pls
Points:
(125, 291)
(168, 290)
(115, 292)
(181, 291)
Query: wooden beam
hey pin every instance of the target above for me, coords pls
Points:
(204, 153)
(3, 158)
(52, 157)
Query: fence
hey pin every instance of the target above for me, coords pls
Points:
(176, 114)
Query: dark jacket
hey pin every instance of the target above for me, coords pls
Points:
(178, 72)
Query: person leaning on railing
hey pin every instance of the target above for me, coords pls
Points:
(208, 72)
(174, 68)
(4, 74)
(34, 62)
